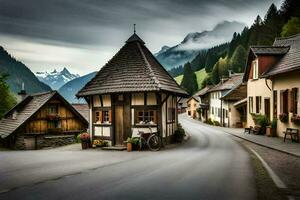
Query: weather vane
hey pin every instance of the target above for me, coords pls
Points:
(134, 28)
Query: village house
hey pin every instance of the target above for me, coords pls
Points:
(192, 105)
(266, 64)
(182, 105)
(39, 121)
(203, 95)
(131, 93)
(284, 75)
(236, 101)
(218, 107)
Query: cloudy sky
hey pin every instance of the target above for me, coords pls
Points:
(83, 35)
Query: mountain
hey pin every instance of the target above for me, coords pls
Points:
(189, 48)
(56, 79)
(69, 90)
(18, 74)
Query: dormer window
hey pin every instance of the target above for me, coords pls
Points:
(255, 68)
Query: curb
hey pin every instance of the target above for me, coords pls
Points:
(282, 151)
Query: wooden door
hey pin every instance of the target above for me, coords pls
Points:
(267, 108)
(119, 125)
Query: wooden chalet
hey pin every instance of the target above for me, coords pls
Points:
(132, 92)
(41, 120)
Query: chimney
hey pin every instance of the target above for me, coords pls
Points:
(22, 93)
(230, 72)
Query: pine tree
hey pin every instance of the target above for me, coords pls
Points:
(7, 100)
(215, 75)
(238, 59)
(292, 27)
(189, 81)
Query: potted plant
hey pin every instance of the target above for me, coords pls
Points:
(296, 119)
(271, 129)
(179, 134)
(129, 143)
(85, 140)
(262, 122)
(283, 117)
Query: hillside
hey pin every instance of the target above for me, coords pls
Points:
(18, 74)
(201, 74)
(189, 48)
(69, 90)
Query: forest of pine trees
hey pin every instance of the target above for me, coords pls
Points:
(218, 60)
(9, 101)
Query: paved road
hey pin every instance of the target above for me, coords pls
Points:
(210, 166)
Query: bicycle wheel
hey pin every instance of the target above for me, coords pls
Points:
(154, 143)
(142, 143)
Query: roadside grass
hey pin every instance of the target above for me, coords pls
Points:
(201, 74)
(265, 187)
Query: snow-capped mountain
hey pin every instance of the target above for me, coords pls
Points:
(194, 42)
(56, 79)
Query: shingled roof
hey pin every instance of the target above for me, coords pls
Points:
(27, 108)
(132, 69)
(269, 50)
(234, 80)
(291, 60)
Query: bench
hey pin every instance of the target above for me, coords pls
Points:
(254, 130)
(293, 133)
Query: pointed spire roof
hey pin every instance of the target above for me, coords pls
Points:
(135, 38)
(132, 69)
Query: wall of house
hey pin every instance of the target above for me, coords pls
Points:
(257, 87)
(284, 82)
(192, 108)
(42, 123)
(233, 114)
(215, 106)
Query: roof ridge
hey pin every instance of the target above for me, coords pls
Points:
(43, 93)
(149, 67)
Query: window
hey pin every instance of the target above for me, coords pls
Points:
(226, 113)
(250, 104)
(258, 103)
(255, 69)
(294, 101)
(219, 112)
(145, 116)
(275, 104)
(171, 114)
(212, 110)
(284, 101)
(53, 109)
(103, 117)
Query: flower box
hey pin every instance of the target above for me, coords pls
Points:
(283, 117)
(53, 117)
(296, 119)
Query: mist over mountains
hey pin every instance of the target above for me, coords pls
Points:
(187, 50)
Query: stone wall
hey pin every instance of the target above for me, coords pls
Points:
(43, 141)
(54, 141)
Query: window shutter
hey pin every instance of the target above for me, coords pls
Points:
(292, 100)
(281, 101)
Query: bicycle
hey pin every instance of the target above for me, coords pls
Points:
(152, 140)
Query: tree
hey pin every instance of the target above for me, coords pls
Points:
(7, 100)
(292, 27)
(290, 8)
(189, 81)
(215, 75)
(238, 59)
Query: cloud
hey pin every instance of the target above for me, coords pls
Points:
(96, 27)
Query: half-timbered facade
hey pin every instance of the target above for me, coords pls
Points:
(131, 93)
